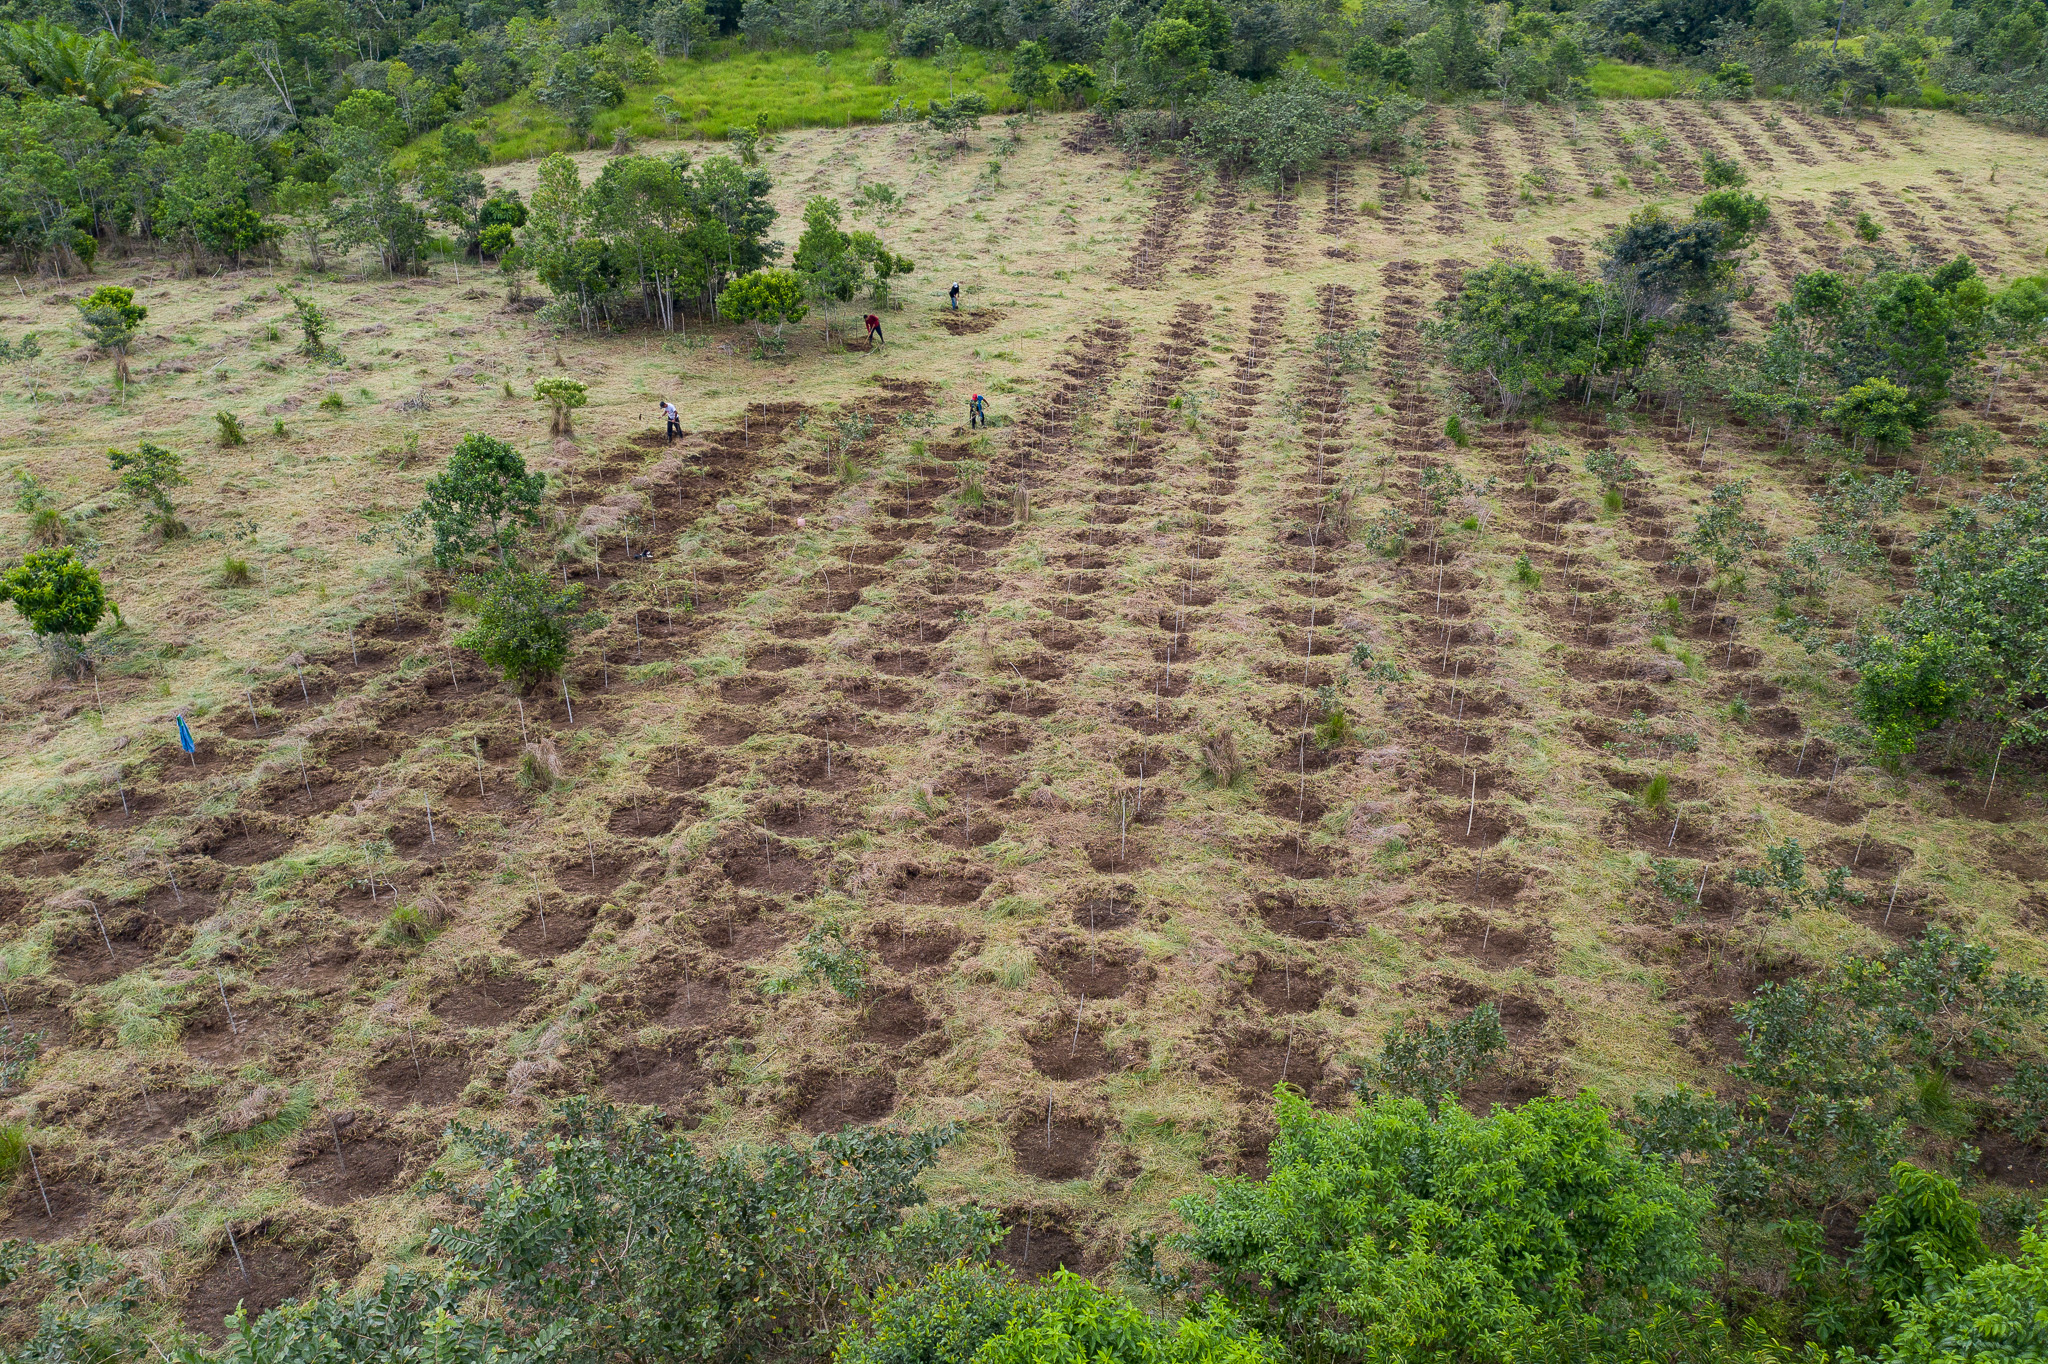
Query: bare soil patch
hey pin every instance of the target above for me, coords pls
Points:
(267, 1275)
(484, 1005)
(364, 1169)
(828, 1100)
(1065, 1148)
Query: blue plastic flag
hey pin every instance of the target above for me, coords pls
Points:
(185, 736)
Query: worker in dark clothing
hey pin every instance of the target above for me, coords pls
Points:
(675, 421)
(874, 330)
(977, 411)
(954, 294)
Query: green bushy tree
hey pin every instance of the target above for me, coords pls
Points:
(626, 1242)
(148, 473)
(1389, 1233)
(61, 598)
(481, 501)
(524, 622)
(111, 317)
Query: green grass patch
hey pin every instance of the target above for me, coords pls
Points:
(726, 85)
(1611, 79)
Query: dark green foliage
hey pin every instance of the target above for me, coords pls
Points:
(1995, 1312)
(524, 623)
(1783, 881)
(231, 432)
(87, 1305)
(1275, 130)
(1070, 1321)
(1922, 1217)
(410, 1316)
(1971, 639)
(624, 1241)
(2026, 1098)
(1389, 1233)
(481, 501)
(18, 1052)
(111, 315)
(1828, 1064)
(148, 475)
(943, 1318)
(1432, 1063)
(312, 327)
(56, 592)
(1722, 171)
(827, 955)
(1528, 330)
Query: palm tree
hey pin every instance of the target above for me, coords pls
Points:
(102, 71)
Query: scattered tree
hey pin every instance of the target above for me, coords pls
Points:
(111, 317)
(61, 598)
(481, 500)
(563, 397)
(148, 475)
(524, 623)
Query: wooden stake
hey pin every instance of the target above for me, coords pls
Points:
(234, 1028)
(37, 1166)
(103, 930)
(335, 1128)
(238, 1251)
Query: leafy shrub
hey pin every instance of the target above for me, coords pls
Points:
(332, 402)
(524, 623)
(1526, 573)
(1998, 1310)
(1868, 228)
(1071, 1321)
(231, 432)
(234, 572)
(1391, 1233)
(826, 955)
(148, 475)
(563, 397)
(943, 1318)
(1432, 1062)
(1454, 431)
(627, 1242)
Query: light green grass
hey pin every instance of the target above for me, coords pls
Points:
(726, 85)
(1620, 80)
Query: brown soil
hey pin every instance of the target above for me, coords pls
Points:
(550, 933)
(484, 1005)
(1258, 1063)
(1286, 988)
(364, 1170)
(668, 1080)
(748, 933)
(144, 1122)
(1036, 1246)
(909, 950)
(1063, 1054)
(267, 1275)
(431, 1082)
(1285, 912)
(895, 1018)
(72, 1201)
(782, 873)
(1091, 970)
(942, 888)
(1065, 1150)
(827, 1100)
(85, 958)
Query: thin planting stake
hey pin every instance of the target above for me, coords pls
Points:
(566, 703)
(335, 1128)
(103, 930)
(37, 1166)
(238, 1251)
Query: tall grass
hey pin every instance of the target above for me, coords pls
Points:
(727, 85)
(1611, 79)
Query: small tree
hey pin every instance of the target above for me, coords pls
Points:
(764, 297)
(524, 623)
(481, 499)
(563, 396)
(111, 317)
(1030, 78)
(312, 327)
(61, 598)
(1876, 410)
(148, 475)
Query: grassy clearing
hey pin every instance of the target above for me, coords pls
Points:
(726, 85)
(1611, 79)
